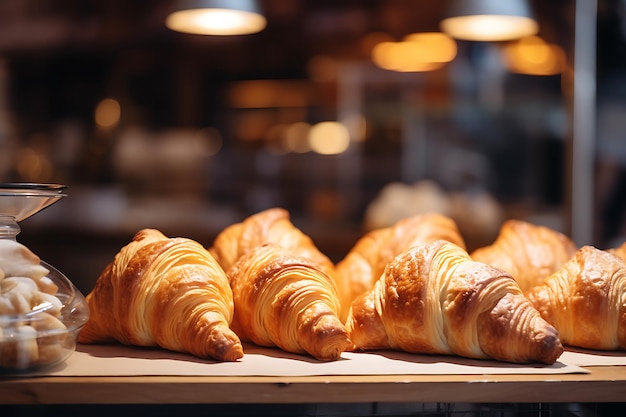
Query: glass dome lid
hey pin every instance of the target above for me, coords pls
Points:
(19, 201)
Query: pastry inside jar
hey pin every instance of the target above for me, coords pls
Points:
(32, 332)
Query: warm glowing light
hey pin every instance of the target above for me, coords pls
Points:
(534, 49)
(216, 22)
(402, 56)
(108, 113)
(329, 138)
(434, 46)
(489, 27)
(534, 56)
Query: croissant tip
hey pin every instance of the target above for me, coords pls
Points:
(334, 350)
(233, 355)
(556, 351)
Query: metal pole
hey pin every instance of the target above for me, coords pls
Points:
(584, 126)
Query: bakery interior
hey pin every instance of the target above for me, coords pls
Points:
(150, 127)
(198, 132)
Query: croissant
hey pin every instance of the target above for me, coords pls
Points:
(365, 262)
(268, 226)
(167, 292)
(527, 251)
(434, 299)
(286, 300)
(586, 300)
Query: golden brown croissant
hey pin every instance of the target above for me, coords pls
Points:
(434, 299)
(527, 251)
(586, 300)
(268, 226)
(287, 301)
(365, 262)
(167, 292)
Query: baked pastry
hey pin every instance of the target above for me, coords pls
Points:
(268, 226)
(287, 301)
(17, 260)
(586, 300)
(529, 252)
(32, 332)
(365, 262)
(434, 299)
(167, 292)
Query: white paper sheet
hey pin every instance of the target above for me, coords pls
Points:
(116, 360)
(583, 357)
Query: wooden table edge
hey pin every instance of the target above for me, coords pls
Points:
(601, 384)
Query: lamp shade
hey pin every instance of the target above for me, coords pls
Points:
(216, 17)
(489, 20)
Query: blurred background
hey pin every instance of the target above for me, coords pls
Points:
(318, 112)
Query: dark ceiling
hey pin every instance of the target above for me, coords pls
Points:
(296, 29)
(64, 55)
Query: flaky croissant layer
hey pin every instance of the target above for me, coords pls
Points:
(529, 252)
(167, 292)
(586, 300)
(288, 301)
(365, 262)
(434, 299)
(272, 225)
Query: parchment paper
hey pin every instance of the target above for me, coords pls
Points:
(116, 360)
(583, 357)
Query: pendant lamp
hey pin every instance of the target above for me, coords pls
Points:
(216, 17)
(489, 20)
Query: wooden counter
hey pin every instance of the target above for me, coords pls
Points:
(602, 384)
